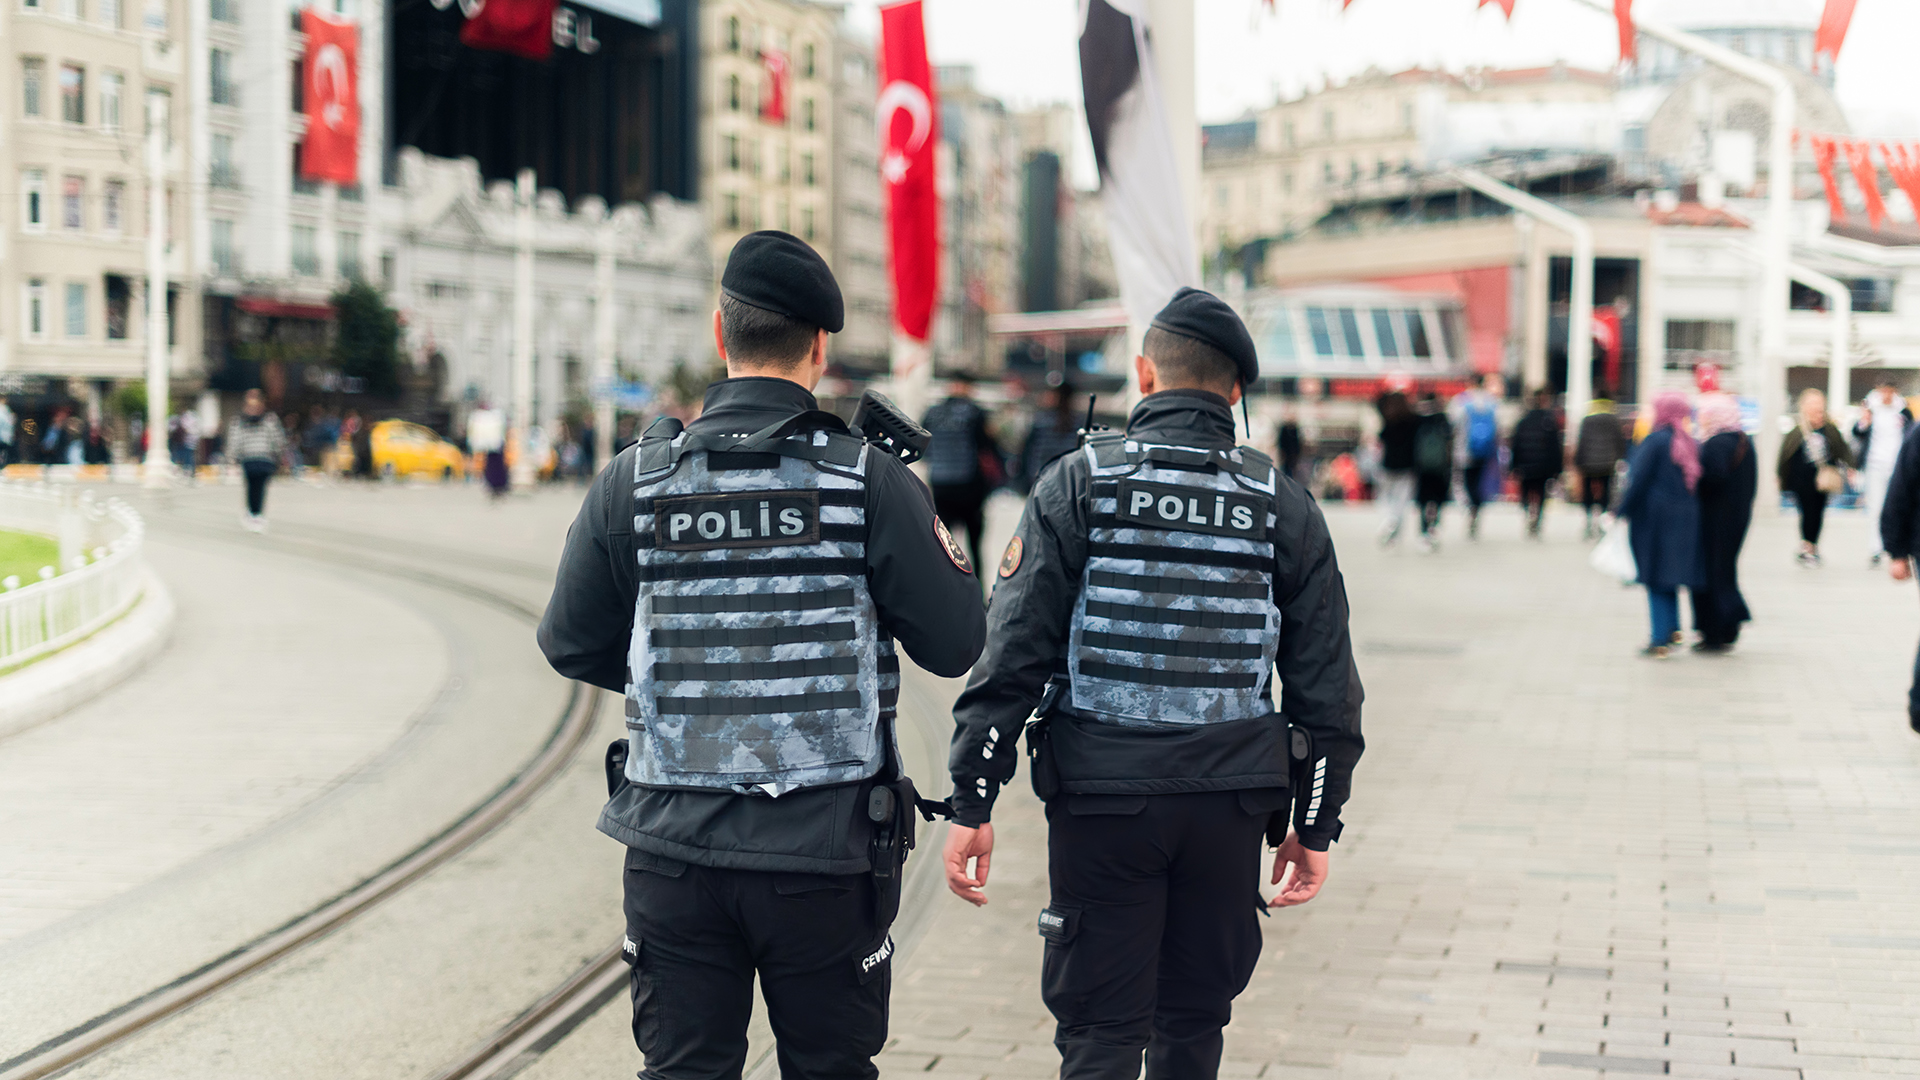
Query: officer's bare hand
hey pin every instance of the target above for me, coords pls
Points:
(1309, 872)
(964, 844)
(1900, 569)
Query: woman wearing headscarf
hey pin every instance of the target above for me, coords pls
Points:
(1664, 518)
(1812, 458)
(1729, 476)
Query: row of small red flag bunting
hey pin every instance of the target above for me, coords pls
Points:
(1903, 164)
(1833, 24)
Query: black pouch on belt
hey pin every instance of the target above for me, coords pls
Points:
(616, 766)
(1041, 769)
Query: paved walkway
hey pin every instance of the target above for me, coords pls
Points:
(1560, 858)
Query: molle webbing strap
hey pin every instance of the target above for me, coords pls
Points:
(1190, 650)
(733, 568)
(821, 701)
(726, 602)
(1190, 680)
(1174, 586)
(1205, 620)
(748, 637)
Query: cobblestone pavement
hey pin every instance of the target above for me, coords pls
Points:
(1560, 859)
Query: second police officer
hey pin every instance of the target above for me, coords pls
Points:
(1160, 583)
(743, 582)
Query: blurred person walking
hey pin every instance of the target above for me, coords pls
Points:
(1290, 447)
(1397, 426)
(1597, 451)
(1729, 477)
(1051, 434)
(1476, 423)
(1882, 426)
(1432, 467)
(1900, 532)
(1663, 515)
(256, 442)
(963, 462)
(1539, 455)
(487, 436)
(1811, 459)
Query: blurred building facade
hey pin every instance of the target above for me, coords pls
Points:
(73, 124)
(859, 229)
(978, 165)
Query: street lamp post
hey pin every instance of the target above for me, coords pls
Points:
(522, 374)
(1775, 244)
(156, 470)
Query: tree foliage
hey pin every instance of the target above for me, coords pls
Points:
(366, 340)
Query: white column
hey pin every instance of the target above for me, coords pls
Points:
(156, 474)
(603, 342)
(327, 245)
(521, 418)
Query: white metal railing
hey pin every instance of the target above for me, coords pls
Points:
(99, 580)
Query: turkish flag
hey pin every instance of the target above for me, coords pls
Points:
(773, 104)
(521, 27)
(330, 78)
(907, 135)
(1833, 28)
(1623, 14)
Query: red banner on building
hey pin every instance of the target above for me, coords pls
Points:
(1824, 150)
(773, 103)
(1833, 28)
(907, 134)
(1505, 5)
(1623, 15)
(330, 81)
(1860, 159)
(521, 27)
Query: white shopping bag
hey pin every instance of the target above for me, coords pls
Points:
(1613, 555)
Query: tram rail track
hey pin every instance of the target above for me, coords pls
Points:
(120, 1024)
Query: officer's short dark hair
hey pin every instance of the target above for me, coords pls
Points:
(756, 337)
(1188, 363)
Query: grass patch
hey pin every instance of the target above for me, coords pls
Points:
(25, 553)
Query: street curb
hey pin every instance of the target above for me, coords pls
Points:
(69, 678)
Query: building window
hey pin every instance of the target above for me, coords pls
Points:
(112, 86)
(76, 309)
(302, 185)
(733, 210)
(1691, 342)
(806, 223)
(160, 109)
(733, 153)
(1871, 294)
(155, 19)
(119, 303)
(306, 254)
(33, 313)
(1286, 134)
(733, 34)
(1326, 124)
(110, 14)
(70, 8)
(807, 61)
(806, 114)
(73, 191)
(220, 168)
(113, 202)
(806, 170)
(733, 93)
(73, 93)
(220, 243)
(221, 88)
(349, 255)
(33, 201)
(226, 11)
(30, 5)
(33, 86)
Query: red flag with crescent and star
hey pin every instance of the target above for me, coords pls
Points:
(329, 77)
(521, 27)
(905, 113)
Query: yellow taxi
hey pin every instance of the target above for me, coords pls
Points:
(404, 449)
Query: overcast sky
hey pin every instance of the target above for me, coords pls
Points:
(1024, 51)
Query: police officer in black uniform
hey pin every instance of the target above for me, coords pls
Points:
(1161, 582)
(743, 582)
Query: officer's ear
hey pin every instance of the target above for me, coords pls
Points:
(719, 339)
(1148, 375)
(817, 359)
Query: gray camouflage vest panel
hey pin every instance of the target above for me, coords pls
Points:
(1175, 624)
(758, 664)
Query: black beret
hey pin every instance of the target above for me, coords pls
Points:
(779, 272)
(1207, 319)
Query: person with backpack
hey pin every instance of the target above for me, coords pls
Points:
(1597, 452)
(1539, 454)
(1476, 420)
(1432, 467)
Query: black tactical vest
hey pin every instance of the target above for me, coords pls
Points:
(1176, 623)
(758, 662)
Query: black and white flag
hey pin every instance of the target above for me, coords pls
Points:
(1147, 224)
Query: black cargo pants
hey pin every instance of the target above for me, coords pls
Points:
(699, 935)
(1157, 931)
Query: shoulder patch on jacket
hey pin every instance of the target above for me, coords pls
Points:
(1011, 560)
(952, 547)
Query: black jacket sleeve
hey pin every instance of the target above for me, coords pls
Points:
(926, 601)
(1027, 627)
(1898, 513)
(588, 625)
(1319, 685)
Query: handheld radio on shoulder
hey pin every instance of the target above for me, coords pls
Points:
(1089, 429)
(879, 421)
